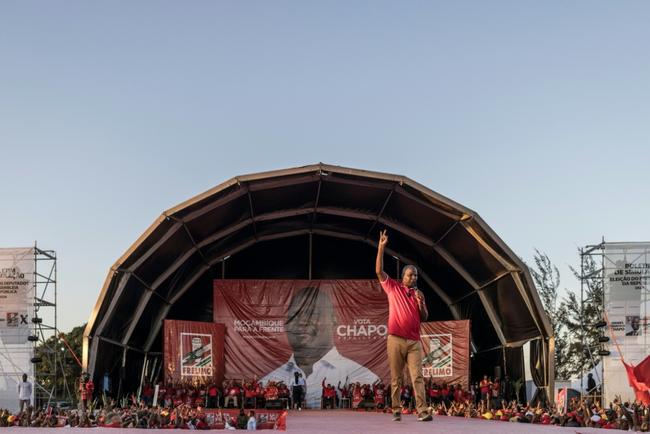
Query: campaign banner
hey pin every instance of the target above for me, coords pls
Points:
(323, 330)
(193, 351)
(17, 267)
(446, 346)
(216, 418)
(626, 269)
(560, 399)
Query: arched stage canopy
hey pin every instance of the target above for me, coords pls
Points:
(319, 222)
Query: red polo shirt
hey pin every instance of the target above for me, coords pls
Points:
(403, 312)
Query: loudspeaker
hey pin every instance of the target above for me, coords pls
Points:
(497, 372)
(367, 405)
(274, 405)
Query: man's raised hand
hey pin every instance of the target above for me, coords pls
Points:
(383, 238)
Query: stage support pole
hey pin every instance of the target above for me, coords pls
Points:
(142, 374)
(551, 369)
(122, 373)
(311, 243)
(153, 370)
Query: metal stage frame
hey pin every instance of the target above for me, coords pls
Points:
(45, 326)
(591, 278)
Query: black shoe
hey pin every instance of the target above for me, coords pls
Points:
(424, 417)
(397, 416)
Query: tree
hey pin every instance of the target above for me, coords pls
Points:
(572, 319)
(58, 370)
(547, 279)
(584, 345)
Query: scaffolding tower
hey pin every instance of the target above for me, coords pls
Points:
(50, 383)
(592, 284)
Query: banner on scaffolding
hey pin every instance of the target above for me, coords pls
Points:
(626, 271)
(16, 309)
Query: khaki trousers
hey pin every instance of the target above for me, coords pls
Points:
(402, 352)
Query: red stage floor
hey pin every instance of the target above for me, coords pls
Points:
(346, 421)
(350, 422)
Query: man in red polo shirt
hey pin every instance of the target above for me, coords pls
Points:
(406, 308)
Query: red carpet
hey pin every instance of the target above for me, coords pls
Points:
(350, 422)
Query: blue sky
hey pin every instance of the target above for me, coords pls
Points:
(534, 114)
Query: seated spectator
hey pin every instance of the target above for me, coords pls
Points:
(252, 422)
(406, 397)
(233, 392)
(379, 394)
(242, 420)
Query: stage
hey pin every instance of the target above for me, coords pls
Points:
(352, 422)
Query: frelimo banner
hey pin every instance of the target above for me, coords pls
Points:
(193, 352)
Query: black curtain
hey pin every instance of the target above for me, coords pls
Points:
(515, 370)
(538, 370)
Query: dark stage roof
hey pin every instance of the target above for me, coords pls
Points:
(319, 222)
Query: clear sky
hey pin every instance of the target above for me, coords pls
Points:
(534, 114)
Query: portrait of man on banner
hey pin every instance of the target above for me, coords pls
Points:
(633, 325)
(310, 325)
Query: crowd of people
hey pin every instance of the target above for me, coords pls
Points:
(187, 406)
(136, 415)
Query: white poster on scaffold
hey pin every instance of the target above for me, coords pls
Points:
(627, 306)
(17, 266)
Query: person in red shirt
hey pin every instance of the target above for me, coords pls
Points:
(356, 395)
(232, 394)
(86, 388)
(406, 309)
(495, 391)
(213, 396)
(434, 393)
(259, 393)
(345, 392)
(83, 394)
(484, 387)
(147, 394)
(271, 392)
(90, 388)
(365, 391)
(378, 391)
(329, 395)
(459, 395)
(250, 395)
(200, 400)
(283, 391)
(428, 387)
